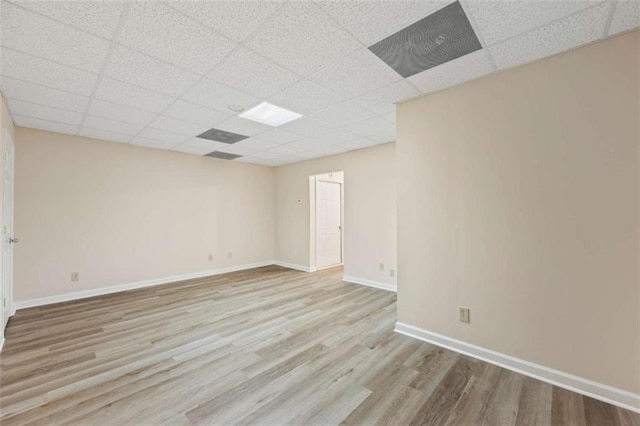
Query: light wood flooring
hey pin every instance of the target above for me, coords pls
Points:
(266, 346)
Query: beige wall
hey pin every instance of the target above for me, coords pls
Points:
(518, 197)
(369, 211)
(119, 214)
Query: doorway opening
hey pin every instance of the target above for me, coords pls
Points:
(6, 265)
(327, 233)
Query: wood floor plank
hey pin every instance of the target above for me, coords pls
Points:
(264, 346)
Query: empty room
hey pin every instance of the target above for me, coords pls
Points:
(320, 212)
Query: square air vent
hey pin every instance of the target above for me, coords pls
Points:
(223, 155)
(222, 136)
(440, 37)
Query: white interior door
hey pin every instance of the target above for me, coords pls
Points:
(328, 223)
(7, 231)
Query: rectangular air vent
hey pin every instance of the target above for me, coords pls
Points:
(223, 155)
(440, 37)
(222, 136)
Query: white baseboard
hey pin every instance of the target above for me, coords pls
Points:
(296, 267)
(369, 283)
(602, 392)
(132, 286)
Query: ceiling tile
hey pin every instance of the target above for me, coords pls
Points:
(252, 73)
(162, 136)
(141, 70)
(279, 136)
(104, 135)
(625, 17)
(257, 143)
(339, 135)
(319, 145)
(288, 150)
(162, 32)
(384, 137)
(195, 113)
(16, 89)
(131, 96)
(454, 72)
(251, 160)
(360, 72)
(287, 39)
(191, 149)
(371, 127)
(390, 117)
(49, 126)
(234, 19)
(120, 113)
(218, 96)
(264, 155)
(40, 71)
(239, 150)
(382, 17)
(308, 127)
(342, 114)
(101, 123)
(306, 97)
(358, 143)
(28, 109)
(500, 20)
(151, 143)
(39, 36)
(242, 126)
(381, 101)
(99, 18)
(559, 36)
(205, 144)
(178, 126)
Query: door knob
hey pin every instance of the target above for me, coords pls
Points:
(13, 240)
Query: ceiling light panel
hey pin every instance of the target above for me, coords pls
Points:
(440, 37)
(360, 72)
(499, 20)
(178, 126)
(120, 113)
(101, 123)
(626, 16)
(252, 73)
(454, 72)
(218, 135)
(287, 39)
(234, 19)
(43, 37)
(193, 113)
(46, 73)
(565, 34)
(141, 70)
(343, 114)
(223, 155)
(42, 112)
(381, 101)
(164, 33)
(270, 114)
(218, 96)
(98, 18)
(49, 126)
(24, 91)
(131, 96)
(306, 97)
(104, 135)
(382, 17)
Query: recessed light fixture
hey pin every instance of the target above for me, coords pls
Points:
(272, 115)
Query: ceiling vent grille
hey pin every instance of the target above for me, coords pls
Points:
(223, 155)
(440, 37)
(222, 136)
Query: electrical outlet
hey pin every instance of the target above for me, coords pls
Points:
(463, 314)
(392, 273)
(75, 276)
(210, 258)
(381, 267)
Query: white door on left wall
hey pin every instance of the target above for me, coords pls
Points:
(8, 239)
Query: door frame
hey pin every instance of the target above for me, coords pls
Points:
(8, 147)
(317, 230)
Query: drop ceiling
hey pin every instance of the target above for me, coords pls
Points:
(160, 73)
